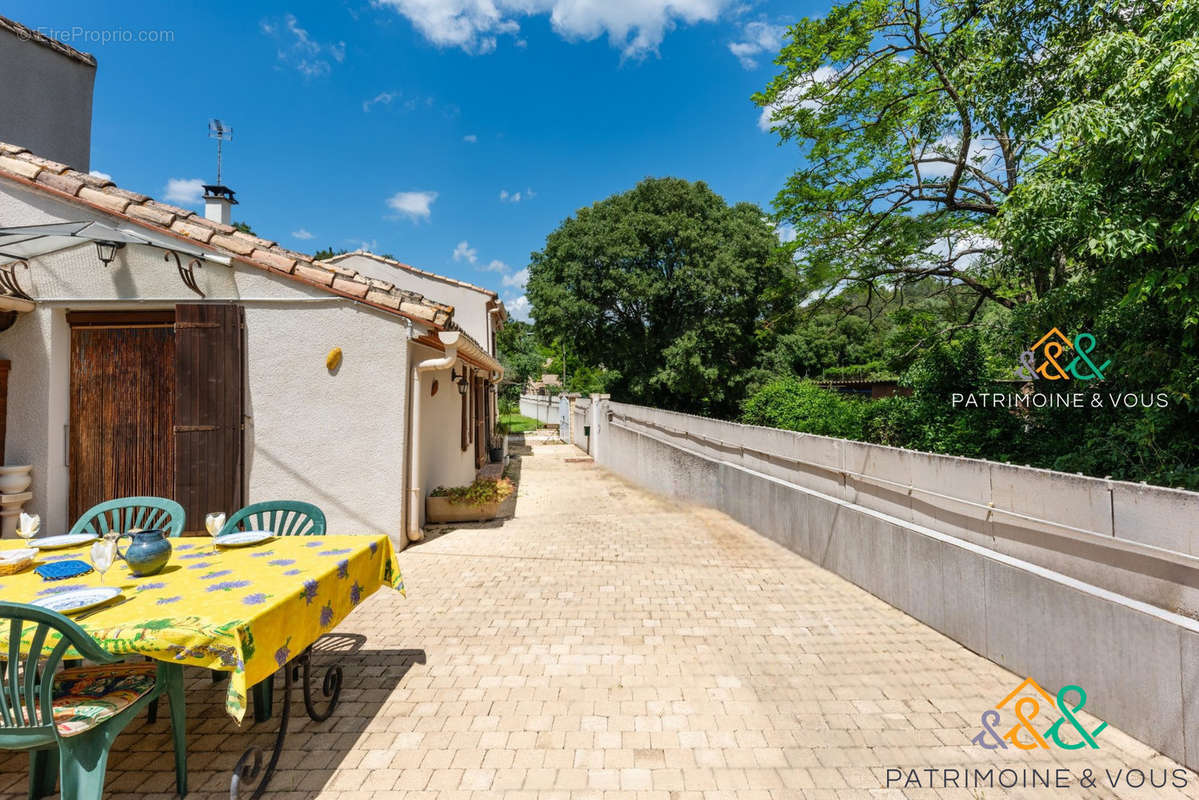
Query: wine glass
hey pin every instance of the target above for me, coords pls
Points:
(214, 522)
(28, 528)
(104, 552)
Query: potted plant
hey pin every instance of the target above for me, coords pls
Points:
(496, 445)
(478, 502)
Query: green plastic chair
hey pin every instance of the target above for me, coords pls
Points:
(72, 749)
(282, 517)
(120, 515)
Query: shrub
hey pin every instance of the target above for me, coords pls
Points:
(479, 493)
(799, 405)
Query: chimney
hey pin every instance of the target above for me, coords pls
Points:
(218, 204)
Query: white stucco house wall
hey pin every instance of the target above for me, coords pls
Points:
(337, 435)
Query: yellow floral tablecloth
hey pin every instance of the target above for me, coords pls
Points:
(245, 610)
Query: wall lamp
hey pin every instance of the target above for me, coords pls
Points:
(106, 251)
(459, 379)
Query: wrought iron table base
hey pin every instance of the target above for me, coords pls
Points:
(249, 769)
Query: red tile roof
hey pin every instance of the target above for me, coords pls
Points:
(20, 165)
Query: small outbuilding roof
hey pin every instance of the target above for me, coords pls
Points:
(493, 298)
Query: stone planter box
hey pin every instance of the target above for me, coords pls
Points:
(440, 509)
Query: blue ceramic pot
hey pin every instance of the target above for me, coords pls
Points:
(149, 553)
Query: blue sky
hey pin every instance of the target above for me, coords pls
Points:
(413, 126)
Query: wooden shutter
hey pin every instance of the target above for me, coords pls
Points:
(480, 432)
(209, 370)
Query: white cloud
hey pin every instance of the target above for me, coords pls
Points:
(104, 176)
(517, 279)
(965, 248)
(635, 27)
(295, 48)
(185, 191)
(495, 265)
(982, 154)
(414, 205)
(518, 307)
(303, 234)
(470, 137)
(791, 97)
(464, 252)
(384, 98)
(786, 232)
(506, 197)
(757, 38)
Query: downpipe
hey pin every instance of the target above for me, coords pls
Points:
(450, 340)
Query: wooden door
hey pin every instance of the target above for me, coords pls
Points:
(209, 398)
(480, 423)
(122, 398)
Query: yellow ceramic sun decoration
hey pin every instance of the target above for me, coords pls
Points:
(246, 611)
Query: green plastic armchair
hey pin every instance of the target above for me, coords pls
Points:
(68, 719)
(282, 517)
(132, 512)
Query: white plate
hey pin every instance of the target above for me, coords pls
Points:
(67, 540)
(17, 556)
(243, 538)
(77, 599)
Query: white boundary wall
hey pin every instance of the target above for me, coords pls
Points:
(542, 409)
(1062, 578)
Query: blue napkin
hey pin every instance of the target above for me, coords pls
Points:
(61, 570)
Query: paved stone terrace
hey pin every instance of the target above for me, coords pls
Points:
(607, 643)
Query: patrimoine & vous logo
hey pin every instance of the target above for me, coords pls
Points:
(1030, 719)
(1071, 370)
(1052, 350)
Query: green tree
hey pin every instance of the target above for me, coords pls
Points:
(522, 357)
(916, 121)
(666, 288)
(328, 252)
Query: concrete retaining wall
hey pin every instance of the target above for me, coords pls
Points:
(923, 533)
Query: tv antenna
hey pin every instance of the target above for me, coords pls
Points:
(222, 133)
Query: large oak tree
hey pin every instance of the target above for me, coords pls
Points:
(666, 286)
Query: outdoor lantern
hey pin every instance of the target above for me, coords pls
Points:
(106, 251)
(460, 379)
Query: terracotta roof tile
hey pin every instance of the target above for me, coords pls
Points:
(189, 228)
(274, 260)
(182, 213)
(47, 164)
(149, 212)
(96, 181)
(410, 268)
(17, 163)
(135, 197)
(234, 243)
(19, 166)
(349, 286)
(63, 183)
(106, 200)
(254, 240)
(314, 274)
